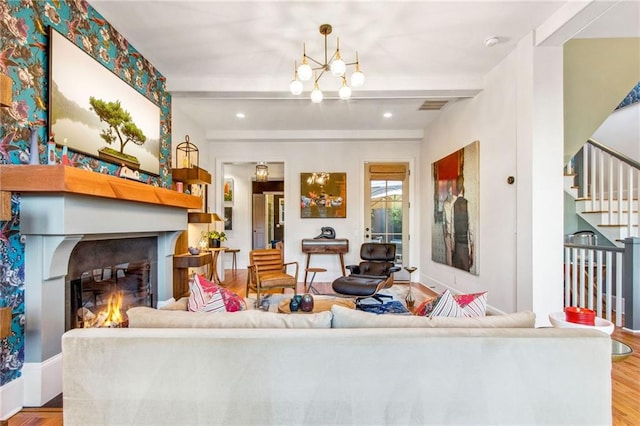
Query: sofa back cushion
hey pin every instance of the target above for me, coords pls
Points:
(350, 318)
(145, 317)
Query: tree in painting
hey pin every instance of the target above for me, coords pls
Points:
(121, 129)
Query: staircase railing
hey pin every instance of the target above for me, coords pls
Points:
(595, 275)
(609, 181)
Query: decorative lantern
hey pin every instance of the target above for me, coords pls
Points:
(262, 172)
(187, 154)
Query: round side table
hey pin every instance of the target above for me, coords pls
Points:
(620, 351)
(315, 271)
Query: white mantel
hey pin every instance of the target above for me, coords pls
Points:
(54, 217)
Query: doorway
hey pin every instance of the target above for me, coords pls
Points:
(267, 214)
(386, 212)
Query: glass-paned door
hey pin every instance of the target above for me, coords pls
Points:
(387, 206)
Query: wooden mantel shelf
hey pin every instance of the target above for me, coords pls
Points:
(71, 180)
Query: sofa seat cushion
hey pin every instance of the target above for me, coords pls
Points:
(145, 317)
(349, 318)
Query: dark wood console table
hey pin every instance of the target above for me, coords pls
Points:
(338, 246)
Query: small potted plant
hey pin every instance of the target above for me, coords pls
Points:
(215, 237)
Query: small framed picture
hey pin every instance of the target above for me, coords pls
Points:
(228, 218)
(228, 190)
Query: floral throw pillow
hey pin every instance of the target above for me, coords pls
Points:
(232, 301)
(204, 296)
(458, 306)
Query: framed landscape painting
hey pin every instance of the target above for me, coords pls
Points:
(323, 195)
(454, 236)
(96, 113)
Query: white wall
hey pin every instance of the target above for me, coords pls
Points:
(518, 120)
(308, 156)
(490, 117)
(621, 131)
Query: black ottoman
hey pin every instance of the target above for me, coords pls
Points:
(360, 286)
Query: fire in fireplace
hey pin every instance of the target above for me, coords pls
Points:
(103, 282)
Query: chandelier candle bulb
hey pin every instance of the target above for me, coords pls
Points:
(296, 85)
(304, 70)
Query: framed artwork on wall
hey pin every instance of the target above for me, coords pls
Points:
(454, 236)
(281, 211)
(96, 113)
(228, 218)
(228, 190)
(323, 195)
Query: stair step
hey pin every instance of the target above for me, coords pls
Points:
(617, 226)
(612, 212)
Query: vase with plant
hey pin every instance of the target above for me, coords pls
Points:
(215, 237)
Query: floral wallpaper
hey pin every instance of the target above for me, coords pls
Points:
(631, 98)
(24, 57)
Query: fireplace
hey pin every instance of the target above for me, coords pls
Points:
(101, 269)
(61, 208)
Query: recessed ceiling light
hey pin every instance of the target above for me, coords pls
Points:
(491, 41)
(240, 115)
(387, 115)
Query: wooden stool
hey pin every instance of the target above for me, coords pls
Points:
(314, 270)
(234, 264)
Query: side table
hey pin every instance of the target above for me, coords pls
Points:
(620, 351)
(215, 251)
(315, 271)
(181, 265)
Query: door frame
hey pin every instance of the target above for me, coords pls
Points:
(414, 255)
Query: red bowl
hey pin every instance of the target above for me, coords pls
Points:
(580, 315)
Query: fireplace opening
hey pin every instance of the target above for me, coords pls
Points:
(101, 271)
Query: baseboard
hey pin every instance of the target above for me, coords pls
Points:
(11, 397)
(42, 381)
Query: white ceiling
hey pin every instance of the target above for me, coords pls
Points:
(223, 57)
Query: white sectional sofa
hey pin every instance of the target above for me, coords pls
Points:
(330, 369)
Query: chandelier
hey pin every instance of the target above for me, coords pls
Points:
(335, 64)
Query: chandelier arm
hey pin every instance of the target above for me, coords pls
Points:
(311, 59)
(318, 78)
(351, 63)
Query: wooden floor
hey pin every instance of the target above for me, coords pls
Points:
(625, 374)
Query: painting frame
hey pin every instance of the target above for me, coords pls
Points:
(228, 218)
(455, 220)
(323, 195)
(227, 190)
(74, 77)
